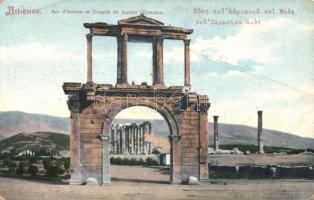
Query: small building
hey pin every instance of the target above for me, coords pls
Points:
(164, 159)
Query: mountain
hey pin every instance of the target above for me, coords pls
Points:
(239, 134)
(12, 123)
(35, 141)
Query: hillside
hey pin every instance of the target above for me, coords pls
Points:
(12, 123)
(38, 140)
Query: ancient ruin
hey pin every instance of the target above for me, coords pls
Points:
(216, 142)
(130, 139)
(94, 106)
(260, 144)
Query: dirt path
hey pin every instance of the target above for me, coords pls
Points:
(146, 183)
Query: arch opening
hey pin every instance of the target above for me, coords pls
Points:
(139, 142)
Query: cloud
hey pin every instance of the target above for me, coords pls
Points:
(35, 51)
(256, 43)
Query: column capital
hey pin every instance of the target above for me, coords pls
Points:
(159, 39)
(124, 36)
(89, 37)
(74, 103)
(187, 42)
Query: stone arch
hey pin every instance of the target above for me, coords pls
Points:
(172, 125)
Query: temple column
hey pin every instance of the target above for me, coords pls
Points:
(128, 140)
(158, 71)
(123, 140)
(149, 144)
(141, 139)
(132, 139)
(114, 149)
(111, 139)
(122, 57)
(187, 62)
(216, 144)
(260, 131)
(89, 58)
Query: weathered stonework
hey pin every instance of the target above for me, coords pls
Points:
(94, 106)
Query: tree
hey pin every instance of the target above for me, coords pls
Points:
(66, 163)
(33, 170)
(20, 169)
(12, 166)
(52, 171)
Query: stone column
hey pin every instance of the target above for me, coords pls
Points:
(124, 59)
(123, 139)
(89, 58)
(216, 144)
(119, 59)
(150, 144)
(106, 176)
(75, 146)
(137, 140)
(111, 139)
(260, 131)
(141, 139)
(187, 62)
(158, 71)
(114, 139)
(133, 140)
(128, 140)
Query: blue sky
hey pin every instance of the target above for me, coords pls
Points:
(242, 68)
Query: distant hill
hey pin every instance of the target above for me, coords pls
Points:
(38, 140)
(12, 123)
(240, 134)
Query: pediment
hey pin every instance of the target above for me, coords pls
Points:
(140, 20)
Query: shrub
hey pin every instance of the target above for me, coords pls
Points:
(60, 171)
(12, 166)
(6, 163)
(52, 171)
(67, 163)
(20, 168)
(151, 162)
(33, 170)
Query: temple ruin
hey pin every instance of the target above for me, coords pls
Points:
(129, 139)
(94, 106)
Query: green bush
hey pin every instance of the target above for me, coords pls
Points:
(66, 163)
(151, 162)
(52, 171)
(20, 168)
(32, 170)
(128, 161)
(6, 163)
(12, 166)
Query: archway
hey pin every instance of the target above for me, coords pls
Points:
(174, 135)
(184, 110)
(139, 142)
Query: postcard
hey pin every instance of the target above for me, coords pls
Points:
(163, 99)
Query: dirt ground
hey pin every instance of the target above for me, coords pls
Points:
(262, 159)
(134, 182)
